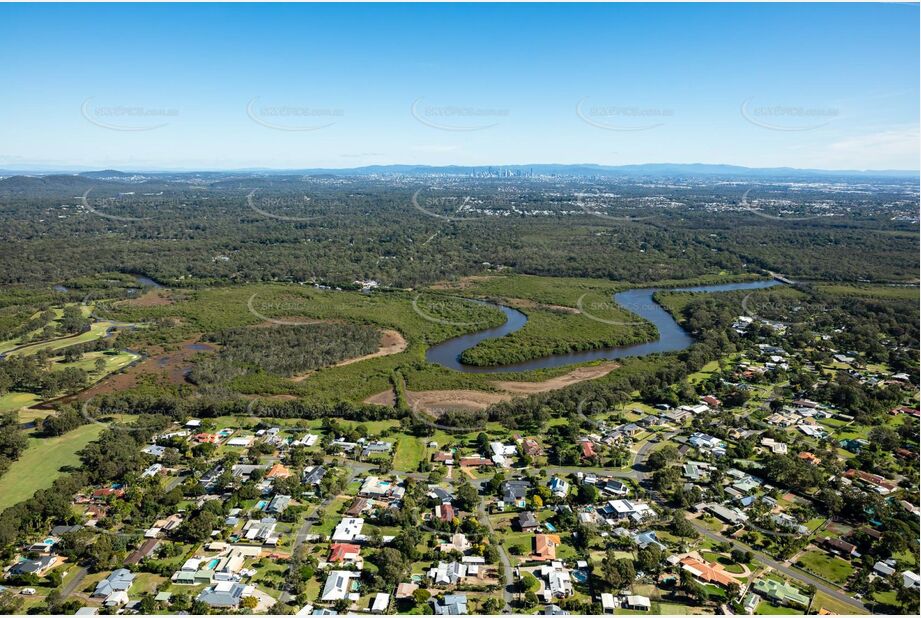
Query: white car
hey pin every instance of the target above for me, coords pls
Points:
(28, 591)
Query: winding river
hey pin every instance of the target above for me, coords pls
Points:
(672, 337)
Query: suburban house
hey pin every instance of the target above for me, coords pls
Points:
(348, 530)
(558, 581)
(445, 512)
(118, 580)
(840, 547)
(559, 487)
(513, 491)
(545, 546)
(635, 511)
(338, 585)
(475, 461)
(278, 504)
(527, 521)
(447, 573)
(38, 566)
(780, 593)
(707, 572)
(453, 605)
(344, 552)
(313, 475)
(225, 594)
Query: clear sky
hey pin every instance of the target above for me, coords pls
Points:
(243, 85)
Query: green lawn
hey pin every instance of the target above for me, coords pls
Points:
(765, 608)
(833, 605)
(13, 401)
(832, 568)
(410, 451)
(97, 330)
(41, 462)
(113, 362)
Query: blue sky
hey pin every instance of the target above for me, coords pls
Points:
(241, 85)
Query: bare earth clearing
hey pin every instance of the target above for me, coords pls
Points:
(436, 401)
(151, 298)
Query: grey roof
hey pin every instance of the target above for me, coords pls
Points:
(314, 476)
(514, 490)
(526, 519)
(117, 581)
(32, 566)
(59, 530)
(278, 504)
(230, 597)
(441, 494)
(453, 605)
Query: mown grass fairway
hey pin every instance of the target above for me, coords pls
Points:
(14, 401)
(41, 463)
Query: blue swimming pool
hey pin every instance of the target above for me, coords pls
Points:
(550, 527)
(261, 504)
(212, 563)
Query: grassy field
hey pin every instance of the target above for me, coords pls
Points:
(765, 609)
(14, 401)
(97, 330)
(821, 600)
(113, 362)
(831, 568)
(41, 462)
(408, 453)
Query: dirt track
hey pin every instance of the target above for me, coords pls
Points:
(437, 401)
(392, 342)
(580, 374)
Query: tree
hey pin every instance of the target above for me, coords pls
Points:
(587, 494)
(616, 572)
(528, 582)
(467, 497)
(649, 558)
(421, 596)
(681, 527)
(10, 603)
(885, 438)
(662, 457)
(829, 501)
(492, 606)
(250, 602)
(391, 565)
(740, 556)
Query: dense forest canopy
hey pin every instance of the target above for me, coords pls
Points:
(409, 231)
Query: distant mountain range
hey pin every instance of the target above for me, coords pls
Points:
(18, 181)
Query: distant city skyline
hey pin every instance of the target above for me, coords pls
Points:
(242, 86)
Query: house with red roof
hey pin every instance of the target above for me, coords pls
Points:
(445, 512)
(344, 552)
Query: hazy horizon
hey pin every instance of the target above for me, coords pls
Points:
(227, 87)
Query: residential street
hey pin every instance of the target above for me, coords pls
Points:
(780, 567)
